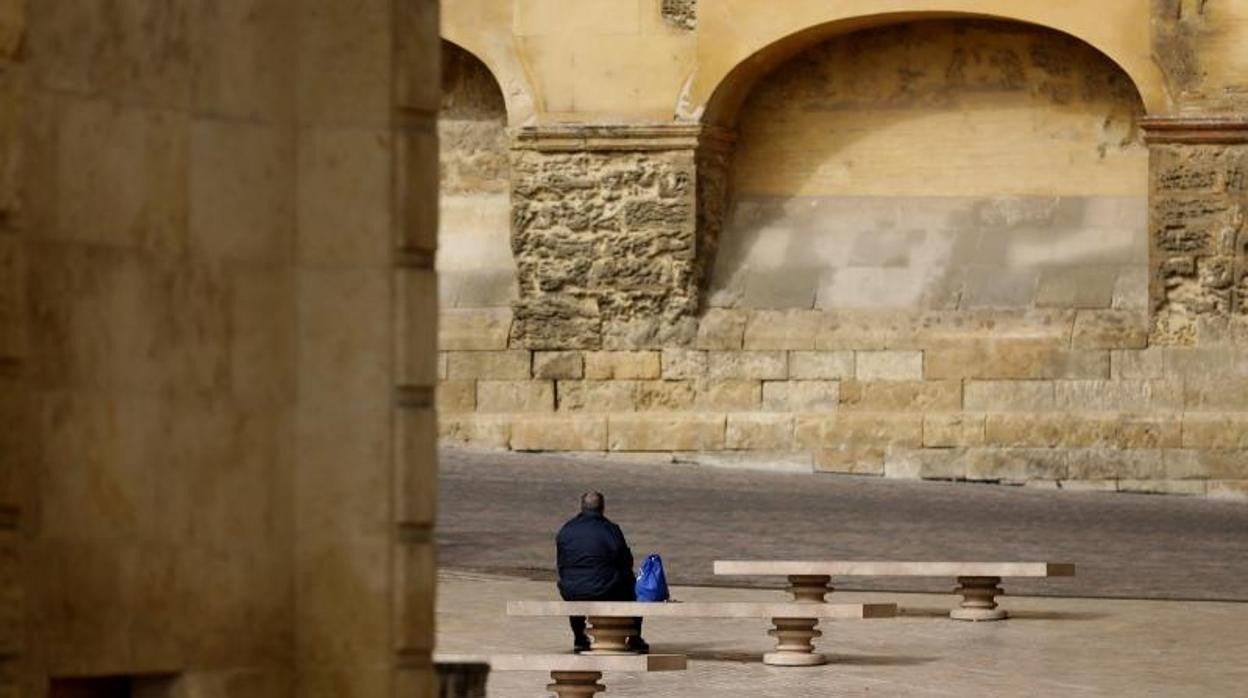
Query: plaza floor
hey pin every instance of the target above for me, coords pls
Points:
(1050, 647)
(1157, 608)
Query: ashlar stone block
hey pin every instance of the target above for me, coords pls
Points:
(1009, 396)
(821, 365)
(653, 396)
(1110, 329)
(515, 396)
(801, 396)
(889, 365)
(746, 365)
(1224, 431)
(477, 430)
(728, 395)
(679, 364)
(457, 396)
(1016, 465)
(488, 365)
(953, 430)
(927, 463)
(478, 329)
(901, 396)
(1014, 359)
(1119, 395)
(597, 396)
(872, 429)
(851, 459)
(781, 329)
(759, 432)
(562, 433)
(558, 365)
(608, 365)
(666, 432)
(721, 329)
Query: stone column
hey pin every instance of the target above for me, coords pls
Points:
(1198, 253)
(14, 412)
(609, 242)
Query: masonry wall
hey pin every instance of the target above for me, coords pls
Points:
(944, 165)
(932, 249)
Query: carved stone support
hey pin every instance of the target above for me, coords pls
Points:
(605, 231)
(575, 684)
(807, 588)
(609, 634)
(978, 599)
(1198, 256)
(794, 643)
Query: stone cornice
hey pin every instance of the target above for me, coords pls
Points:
(1212, 130)
(616, 137)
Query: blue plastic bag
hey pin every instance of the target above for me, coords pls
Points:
(651, 581)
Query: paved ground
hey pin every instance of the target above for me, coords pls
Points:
(499, 512)
(1052, 647)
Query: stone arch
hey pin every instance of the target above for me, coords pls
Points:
(726, 77)
(504, 69)
(939, 163)
(475, 263)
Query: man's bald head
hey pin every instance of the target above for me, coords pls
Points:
(593, 501)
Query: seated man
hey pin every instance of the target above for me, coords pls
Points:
(595, 564)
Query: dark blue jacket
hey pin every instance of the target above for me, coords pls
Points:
(595, 563)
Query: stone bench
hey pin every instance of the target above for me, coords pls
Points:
(978, 582)
(610, 623)
(572, 675)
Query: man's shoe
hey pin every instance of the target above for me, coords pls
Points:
(638, 645)
(580, 647)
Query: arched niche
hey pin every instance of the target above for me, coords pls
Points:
(475, 264)
(751, 40)
(937, 164)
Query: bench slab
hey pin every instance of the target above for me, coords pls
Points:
(701, 609)
(850, 568)
(571, 662)
(978, 582)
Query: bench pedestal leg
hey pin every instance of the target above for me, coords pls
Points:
(609, 635)
(809, 588)
(793, 643)
(575, 684)
(978, 599)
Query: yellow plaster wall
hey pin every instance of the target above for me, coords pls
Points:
(881, 112)
(590, 60)
(618, 61)
(1203, 47)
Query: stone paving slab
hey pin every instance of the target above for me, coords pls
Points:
(499, 513)
(1050, 647)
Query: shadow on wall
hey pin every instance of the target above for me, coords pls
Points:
(939, 164)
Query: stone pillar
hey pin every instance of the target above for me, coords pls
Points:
(609, 242)
(12, 350)
(416, 100)
(1198, 243)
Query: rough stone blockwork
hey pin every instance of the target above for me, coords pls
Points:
(681, 13)
(604, 234)
(1199, 288)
